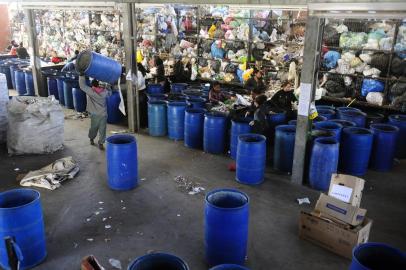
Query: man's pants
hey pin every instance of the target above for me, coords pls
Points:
(98, 124)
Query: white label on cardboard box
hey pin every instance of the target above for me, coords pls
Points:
(340, 192)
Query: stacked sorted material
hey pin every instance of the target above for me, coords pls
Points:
(36, 125)
(361, 51)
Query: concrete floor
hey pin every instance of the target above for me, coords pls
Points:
(161, 217)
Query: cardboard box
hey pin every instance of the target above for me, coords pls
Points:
(340, 210)
(346, 188)
(333, 236)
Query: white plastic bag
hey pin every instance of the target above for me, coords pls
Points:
(35, 126)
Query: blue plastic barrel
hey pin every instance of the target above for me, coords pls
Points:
(292, 122)
(20, 82)
(371, 256)
(194, 122)
(178, 87)
(359, 118)
(158, 261)
(155, 89)
(21, 219)
(114, 114)
(156, 97)
(79, 99)
(319, 118)
(98, 66)
(5, 69)
(52, 87)
(238, 127)
(330, 126)
(346, 109)
(13, 68)
(59, 84)
(399, 120)
(328, 113)
(384, 146)
(157, 115)
(226, 226)
(284, 146)
(355, 150)
(344, 123)
(323, 162)
(122, 162)
(374, 118)
(324, 107)
(196, 103)
(214, 134)
(176, 120)
(192, 93)
(229, 267)
(29, 83)
(276, 119)
(68, 85)
(251, 159)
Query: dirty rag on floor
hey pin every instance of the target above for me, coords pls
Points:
(52, 175)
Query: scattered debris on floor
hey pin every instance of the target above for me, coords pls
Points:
(187, 185)
(143, 179)
(107, 227)
(120, 131)
(75, 245)
(115, 263)
(124, 208)
(77, 115)
(90, 239)
(90, 263)
(178, 215)
(17, 169)
(52, 175)
(303, 201)
(101, 202)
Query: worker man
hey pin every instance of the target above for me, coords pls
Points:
(97, 107)
(22, 52)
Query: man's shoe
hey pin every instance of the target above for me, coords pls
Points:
(101, 146)
(91, 141)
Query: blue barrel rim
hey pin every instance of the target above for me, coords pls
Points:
(341, 109)
(196, 110)
(215, 115)
(177, 104)
(292, 122)
(351, 113)
(319, 133)
(121, 137)
(344, 123)
(158, 254)
(399, 118)
(325, 107)
(231, 191)
(228, 266)
(326, 111)
(328, 125)
(326, 140)
(195, 99)
(157, 95)
(253, 136)
(385, 128)
(157, 102)
(286, 128)
(320, 118)
(359, 247)
(19, 190)
(357, 131)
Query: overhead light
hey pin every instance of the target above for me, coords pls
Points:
(371, 11)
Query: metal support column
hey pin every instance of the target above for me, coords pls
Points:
(130, 53)
(314, 30)
(34, 53)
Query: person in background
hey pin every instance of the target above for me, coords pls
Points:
(22, 52)
(13, 43)
(260, 123)
(160, 70)
(13, 50)
(216, 95)
(284, 98)
(74, 57)
(54, 58)
(256, 83)
(142, 95)
(97, 107)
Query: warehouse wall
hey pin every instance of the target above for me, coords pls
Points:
(4, 28)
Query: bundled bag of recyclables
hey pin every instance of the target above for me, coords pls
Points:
(369, 85)
(3, 108)
(35, 126)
